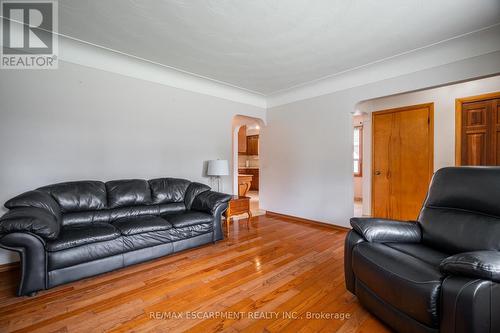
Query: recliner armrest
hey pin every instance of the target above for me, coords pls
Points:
(38, 221)
(477, 264)
(209, 201)
(384, 231)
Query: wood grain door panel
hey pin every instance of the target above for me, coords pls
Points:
(475, 148)
(242, 140)
(477, 130)
(402, 161)
(476, 121)
(382, 128)
(253, 145)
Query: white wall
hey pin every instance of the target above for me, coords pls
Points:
(80, 123)
(306, 162)
(444, 121)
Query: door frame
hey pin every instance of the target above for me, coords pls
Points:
(458, 120)
(431, 141)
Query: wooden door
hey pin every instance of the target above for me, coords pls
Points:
(253, 145)
(242, 140)
(402, 165)
(479, 132)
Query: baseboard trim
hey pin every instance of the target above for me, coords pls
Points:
(9, 267)
(292, 219)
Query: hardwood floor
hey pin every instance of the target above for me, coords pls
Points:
(249, 282)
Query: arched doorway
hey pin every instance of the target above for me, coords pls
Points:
(246, 163)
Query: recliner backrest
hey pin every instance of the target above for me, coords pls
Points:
(462, 210)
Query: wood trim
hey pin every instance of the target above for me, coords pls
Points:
(404, 108)
(291, 218)
(431, 140)
(372, 162)
(458, 120)
(9, 266)
(458, 132)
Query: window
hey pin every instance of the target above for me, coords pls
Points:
(358, 151)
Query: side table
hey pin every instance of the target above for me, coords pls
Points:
(238, 205)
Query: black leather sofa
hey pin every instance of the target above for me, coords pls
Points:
(440, 273)
(69, 231)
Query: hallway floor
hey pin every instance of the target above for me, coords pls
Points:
(254, 203)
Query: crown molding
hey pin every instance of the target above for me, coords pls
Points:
(481, 42)
(94, 56)
(72, 50)
(473, 44)
(462, 47)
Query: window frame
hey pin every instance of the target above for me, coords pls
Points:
(360, 159)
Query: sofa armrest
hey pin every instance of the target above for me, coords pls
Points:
(384, 231)
(209, 201)
(477, 264)
(469, 305)
(33, 220)
(31, 249)
(37, 199)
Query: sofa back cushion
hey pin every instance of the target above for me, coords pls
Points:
(93, 201)
(168, 190)
(192, 192)
(128, 192)
(462, 210)
(110, 215)
(78, 196)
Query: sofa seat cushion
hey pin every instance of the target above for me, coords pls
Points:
(81, 234)
(189, 218)
(140, 224)
(85, 253)
(159, 237)
(177, 234)
(402, 280)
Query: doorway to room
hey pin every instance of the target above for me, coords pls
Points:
(247, 134)
(357, 168)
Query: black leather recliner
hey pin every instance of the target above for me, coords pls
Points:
(440, 273)
(69, 231)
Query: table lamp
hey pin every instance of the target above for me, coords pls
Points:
(218, 168)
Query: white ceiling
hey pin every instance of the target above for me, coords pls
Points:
(269, 45)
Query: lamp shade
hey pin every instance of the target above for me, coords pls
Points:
(218, 168)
